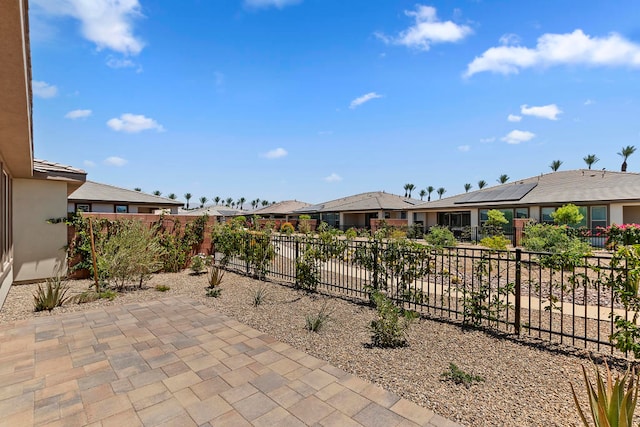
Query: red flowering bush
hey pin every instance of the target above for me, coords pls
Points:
(621, 235)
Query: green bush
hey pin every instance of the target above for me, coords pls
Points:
(567, 215)
(316, 321)
(390, 327)
(131, 254)
(351, 233)
(198, 263)
(458, 376)
(495, 242)
(304, 225)
(494, 224)
(287, 228)
(566, 251)
(440, 237)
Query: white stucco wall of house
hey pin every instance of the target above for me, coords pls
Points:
(616, 215)
(38, 245)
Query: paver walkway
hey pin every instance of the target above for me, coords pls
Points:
(177, 362)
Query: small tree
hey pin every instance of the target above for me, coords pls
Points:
(217, 200)
(567, 215)
(440, 192)
(467, 187)
(423, 193)
(187, 197)
(625, 153)
(172, 196)
(157, 193)
(503, 178)
(482, 183)
(203, 200)
(430, 190)
(494, 223)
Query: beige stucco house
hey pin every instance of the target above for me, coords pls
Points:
(360, 209)
(604, 198)
(103, 198)
(31, 192)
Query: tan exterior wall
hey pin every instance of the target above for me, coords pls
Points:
(38, 245)
(6, 280)
(616, 213)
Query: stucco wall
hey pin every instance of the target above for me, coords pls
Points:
(38, 245)
(631, 214)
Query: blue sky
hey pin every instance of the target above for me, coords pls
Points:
(319, 99)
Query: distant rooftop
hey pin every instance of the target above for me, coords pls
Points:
(373, 201)
(281, 208)
(96, 192)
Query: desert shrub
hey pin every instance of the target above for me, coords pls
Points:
(495, 242)
(214, 280)
(259, 295)
(566, 251)
(179, 244)
(458, 376)
(308, 271)
(351, 233)
(623, 234)
(199, 263)
(131, 254)
(91, 295)
(162, 288)
(390, 327)
(316, 321)
(611, 404)
(440, 237)
(304, 225)
(287, 228)
(323, 227)
(52, 296)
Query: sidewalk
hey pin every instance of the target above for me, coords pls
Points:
(175, 362)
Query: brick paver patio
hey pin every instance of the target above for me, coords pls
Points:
(176, 362)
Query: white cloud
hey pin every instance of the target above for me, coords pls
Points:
(518, 136)
(364, 98)
(120, 63)
(550, 111)
(334, 177)
(509, 39)
(276, 153)
(514, 118)
(107, 23)
(77, 114)
(259, 4)
(115, 161)
(133, 123)
(487, 140)
(43, 89)
(427, 30)
(89, 163)
(559, 49)
(464, 148)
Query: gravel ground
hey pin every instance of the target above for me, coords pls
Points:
(524, 384)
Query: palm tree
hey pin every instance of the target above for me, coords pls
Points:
(253, 204)
(241, 202)
(228, 201)
(188, 197)
(203, 200)
(625, 153)
(503, 178)
(430, 190)
(137, 189)
(172, 196)
(555, 165)
(157, 193)
(590, 159)
(467, 187)
(265, 203)
(217, 200)
(440, 192)
(406, 189)
(423, 193)
(411, 188)
(482, 183)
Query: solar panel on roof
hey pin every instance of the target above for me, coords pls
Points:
(501, 194)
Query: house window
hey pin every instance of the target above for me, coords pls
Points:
(403, 215)
(598, 216)
(545, 215)
(121, 209)
(83, 207)
(522, 213)
(508, 214)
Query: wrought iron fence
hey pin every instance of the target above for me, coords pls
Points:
(525, 293)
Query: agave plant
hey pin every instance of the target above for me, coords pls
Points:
(613, 404)
(54, 295)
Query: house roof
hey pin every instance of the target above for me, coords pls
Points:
(213, 210)
(373, 201)
(92, 191)
(51, 170)
(281, 208)
(573, 186)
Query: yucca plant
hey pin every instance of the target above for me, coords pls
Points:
(54, 295)
(215, 276)
(613, 404)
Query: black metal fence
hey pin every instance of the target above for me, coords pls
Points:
(519, 292)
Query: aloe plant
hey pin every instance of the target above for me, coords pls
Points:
(54, 295)
(613, 404)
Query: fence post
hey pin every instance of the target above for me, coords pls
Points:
(295, 262)
(518, 301)
(375, 263)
